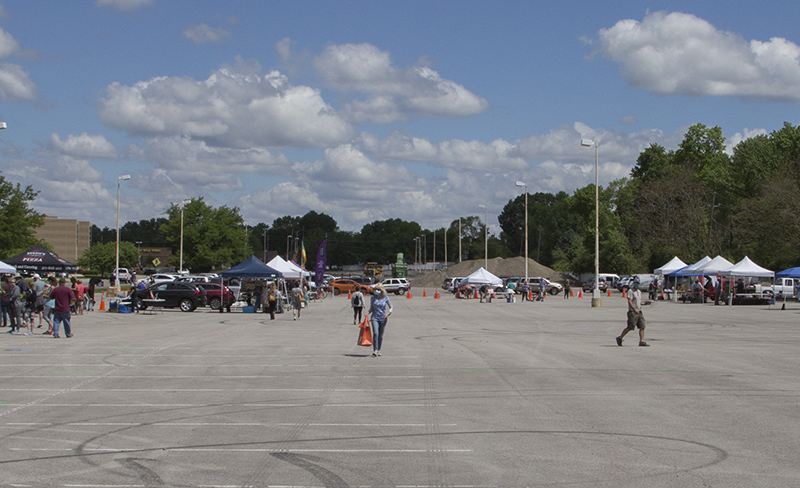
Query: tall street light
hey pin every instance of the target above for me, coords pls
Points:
(116, 269)
(596, 300)
(521, 184)
(485, 236)
(180, 266)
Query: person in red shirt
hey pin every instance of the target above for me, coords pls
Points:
(64, 299)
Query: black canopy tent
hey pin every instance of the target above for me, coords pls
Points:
(39, 260)
(252, 267)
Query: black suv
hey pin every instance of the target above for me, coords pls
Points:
(186, 296)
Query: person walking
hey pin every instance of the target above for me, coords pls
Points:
(64, 299)
(49, 305)
(380, 307)
(357, 302)
(298, 298)
(39, 285)
(567, 289)
(270, 300)
(635, 316)
(11, 291)
(5, 298)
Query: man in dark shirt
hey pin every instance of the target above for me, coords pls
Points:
(64, 299)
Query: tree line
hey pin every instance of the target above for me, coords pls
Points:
(692, 201)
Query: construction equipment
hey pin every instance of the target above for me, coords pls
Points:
(374, 271)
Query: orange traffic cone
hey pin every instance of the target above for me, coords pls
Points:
(530, 296)
(623, 293)
(436, 295)
(609, 292)
(580, 294)
(102, 304)
(476, 294)
(424, 293)
(349, 296)
(408, 295)
(571, 293)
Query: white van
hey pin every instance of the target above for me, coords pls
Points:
(610, 278)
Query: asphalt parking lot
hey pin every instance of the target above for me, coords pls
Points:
(466, 394)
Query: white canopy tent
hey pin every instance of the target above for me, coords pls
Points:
(7, 268)
(746, 267)
(673, 265)
(714, 266)
(691, 270)
(289, 270)
(481, 277)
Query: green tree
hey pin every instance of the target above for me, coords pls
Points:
(148, 232)
(18, 221)
(652, 163)
(383, 239)
(213, 238)
(102, 257)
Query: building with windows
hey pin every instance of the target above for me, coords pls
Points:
(68, 237)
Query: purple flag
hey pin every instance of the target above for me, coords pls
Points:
(322, 261)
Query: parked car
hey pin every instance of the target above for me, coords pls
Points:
(398, 286)
(197, 279)
(161, 277)
(347, 285)
(123, 273)
(454, 284)
(186, 296)
(213, 295)
(552, 287)
(446, 283)
(588, 285)
(363, 280)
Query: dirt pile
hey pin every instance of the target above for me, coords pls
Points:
(497, 266)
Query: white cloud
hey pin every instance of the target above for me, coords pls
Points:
(679, 53)
(84, 146)
(398, 146)
(197, 168)
(124, 5)
(738, 137)
(15, 84)
(564, 143)
(392, 93)
(202, 33)
(235, 107)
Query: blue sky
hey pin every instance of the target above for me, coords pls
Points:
(370, 110)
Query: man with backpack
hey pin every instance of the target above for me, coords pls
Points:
(357, 302)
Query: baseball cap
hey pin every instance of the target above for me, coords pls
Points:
(36, 276)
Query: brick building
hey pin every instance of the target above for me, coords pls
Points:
(69, 237)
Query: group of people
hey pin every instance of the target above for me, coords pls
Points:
(51, 300)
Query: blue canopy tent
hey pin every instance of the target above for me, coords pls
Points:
(252, 267)
(788, 273)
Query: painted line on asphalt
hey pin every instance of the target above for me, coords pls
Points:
(216, 424)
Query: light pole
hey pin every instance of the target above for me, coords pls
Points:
(180, 267)
(485, 236)
(522, 184)
(139, 251)
(596, 300)
(116, 268)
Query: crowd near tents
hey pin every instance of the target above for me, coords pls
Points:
(728, 277)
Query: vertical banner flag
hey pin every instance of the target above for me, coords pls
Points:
(303, 255)
(322, 261)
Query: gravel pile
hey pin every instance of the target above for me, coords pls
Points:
(497, 266)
